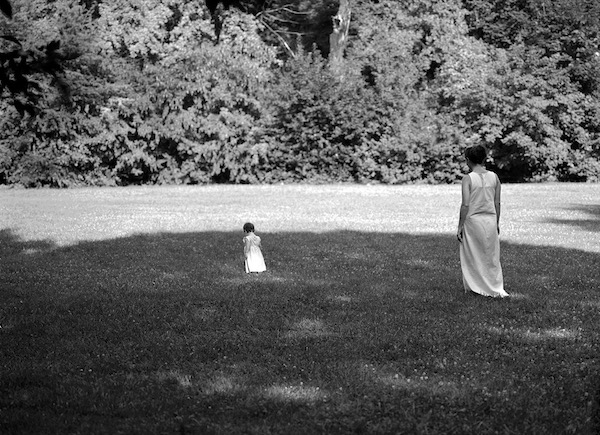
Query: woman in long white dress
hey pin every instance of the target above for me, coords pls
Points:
(254, 261)
(479, 228)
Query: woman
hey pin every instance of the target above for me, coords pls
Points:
(479, 227)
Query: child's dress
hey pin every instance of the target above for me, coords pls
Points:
(254, 259)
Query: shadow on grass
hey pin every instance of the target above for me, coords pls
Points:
(592, 223)
(11, 244)
(347, 332)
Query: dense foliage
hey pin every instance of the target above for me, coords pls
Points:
(166, 91)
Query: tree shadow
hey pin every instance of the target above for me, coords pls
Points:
(11, 244)
(346, 332)
(590, 224)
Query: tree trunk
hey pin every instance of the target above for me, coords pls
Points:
(339, 38)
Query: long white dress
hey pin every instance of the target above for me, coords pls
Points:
(480, 247)
(254, 261)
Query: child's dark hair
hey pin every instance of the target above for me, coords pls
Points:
(248, 227)
(476, 154)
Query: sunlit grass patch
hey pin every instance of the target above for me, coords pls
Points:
(419, 262)
(550, 333)
(221, 384)
(308, 328)
(294, 393)
(341, 298)
(30, 251)
(518, 296)
(183, 380)
(436, 386)
(539, 335)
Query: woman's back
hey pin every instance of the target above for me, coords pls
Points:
(483, 190)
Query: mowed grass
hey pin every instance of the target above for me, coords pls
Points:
(126, 310)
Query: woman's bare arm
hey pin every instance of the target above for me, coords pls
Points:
(464, 206)
(497, 194)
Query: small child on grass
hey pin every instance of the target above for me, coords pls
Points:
(254, 261)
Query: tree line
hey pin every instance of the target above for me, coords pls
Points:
(187, 92)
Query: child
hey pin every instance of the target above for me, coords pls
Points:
(254, 261)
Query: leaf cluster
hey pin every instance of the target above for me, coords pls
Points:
(152, 92)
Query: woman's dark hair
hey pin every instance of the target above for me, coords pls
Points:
(476, 154)
(248, 227)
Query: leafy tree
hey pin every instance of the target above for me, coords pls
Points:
(569, 28)
(191, 108)
(152, 100)
(297, 24)
(532, 117)
(18, 63)
(398, 48)
(50, 147)
(165, 91)
(554, 78)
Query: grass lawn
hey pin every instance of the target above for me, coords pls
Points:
(126, 310)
